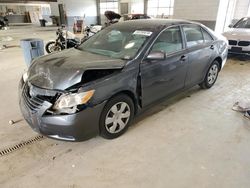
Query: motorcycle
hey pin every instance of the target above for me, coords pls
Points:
(66, 39)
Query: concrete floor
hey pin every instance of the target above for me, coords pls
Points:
(193, 140)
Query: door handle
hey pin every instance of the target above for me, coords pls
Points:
(183, 58)
(212, 47)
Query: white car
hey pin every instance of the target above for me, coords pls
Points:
(239, 37)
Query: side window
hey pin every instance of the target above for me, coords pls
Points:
(169, 41)
(207, 36)
(193, 35)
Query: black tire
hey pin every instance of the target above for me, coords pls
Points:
(206, 84)
(51, 44)
(121, 99)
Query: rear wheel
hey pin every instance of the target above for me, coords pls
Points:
(211, 76)
(53, 47)
(116, 116)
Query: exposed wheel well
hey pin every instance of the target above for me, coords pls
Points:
(131, 95)
(219, 61)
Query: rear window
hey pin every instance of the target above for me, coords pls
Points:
(207, 37)
(193, 34)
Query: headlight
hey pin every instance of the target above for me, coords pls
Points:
(25, 76)
(72, 100)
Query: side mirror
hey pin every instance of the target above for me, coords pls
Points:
(231, 25)
(156, 55)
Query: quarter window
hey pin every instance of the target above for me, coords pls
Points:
(207, 36)
(169, 41)
(193, 35)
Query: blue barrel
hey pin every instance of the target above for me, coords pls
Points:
(32, 48)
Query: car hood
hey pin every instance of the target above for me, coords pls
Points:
(64, 69)
(238, 34)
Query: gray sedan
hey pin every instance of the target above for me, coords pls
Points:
(100, 86)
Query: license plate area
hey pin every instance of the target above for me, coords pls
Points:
(236, 49)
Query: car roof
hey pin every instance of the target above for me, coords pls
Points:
(152, 24)
(157, 22)
(136, 14)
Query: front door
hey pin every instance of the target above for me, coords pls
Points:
(164, 76)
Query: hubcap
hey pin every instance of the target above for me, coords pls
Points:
(117, 117)
(212, 74)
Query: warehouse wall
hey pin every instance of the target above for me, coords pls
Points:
(54, 8)
(230, 11)
(216, 14)
(134, 6)
(77, 9)
(137, 6)
(241, 9)
(36, 11)
(225, 15)
(197, 10)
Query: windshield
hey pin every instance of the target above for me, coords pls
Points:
(243, 23)
(117, 42)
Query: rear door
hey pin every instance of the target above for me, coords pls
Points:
(200, 51)
(162, 77)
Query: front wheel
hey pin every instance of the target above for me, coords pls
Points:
(211, 76)
(53, 46)
(116, 116)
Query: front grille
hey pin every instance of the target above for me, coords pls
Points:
(232, 42)
(243, 43)
(32, 102)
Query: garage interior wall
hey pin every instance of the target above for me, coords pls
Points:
(18, 12)
(111, 5)
(54, 8)
(225, 15)
(216, 14)
(134, 6)
(160, 9)
(137, 6)
(242, 9)
(197, 10)
(230, 11)
(77, 9)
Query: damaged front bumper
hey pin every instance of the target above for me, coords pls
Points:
(72, 127)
